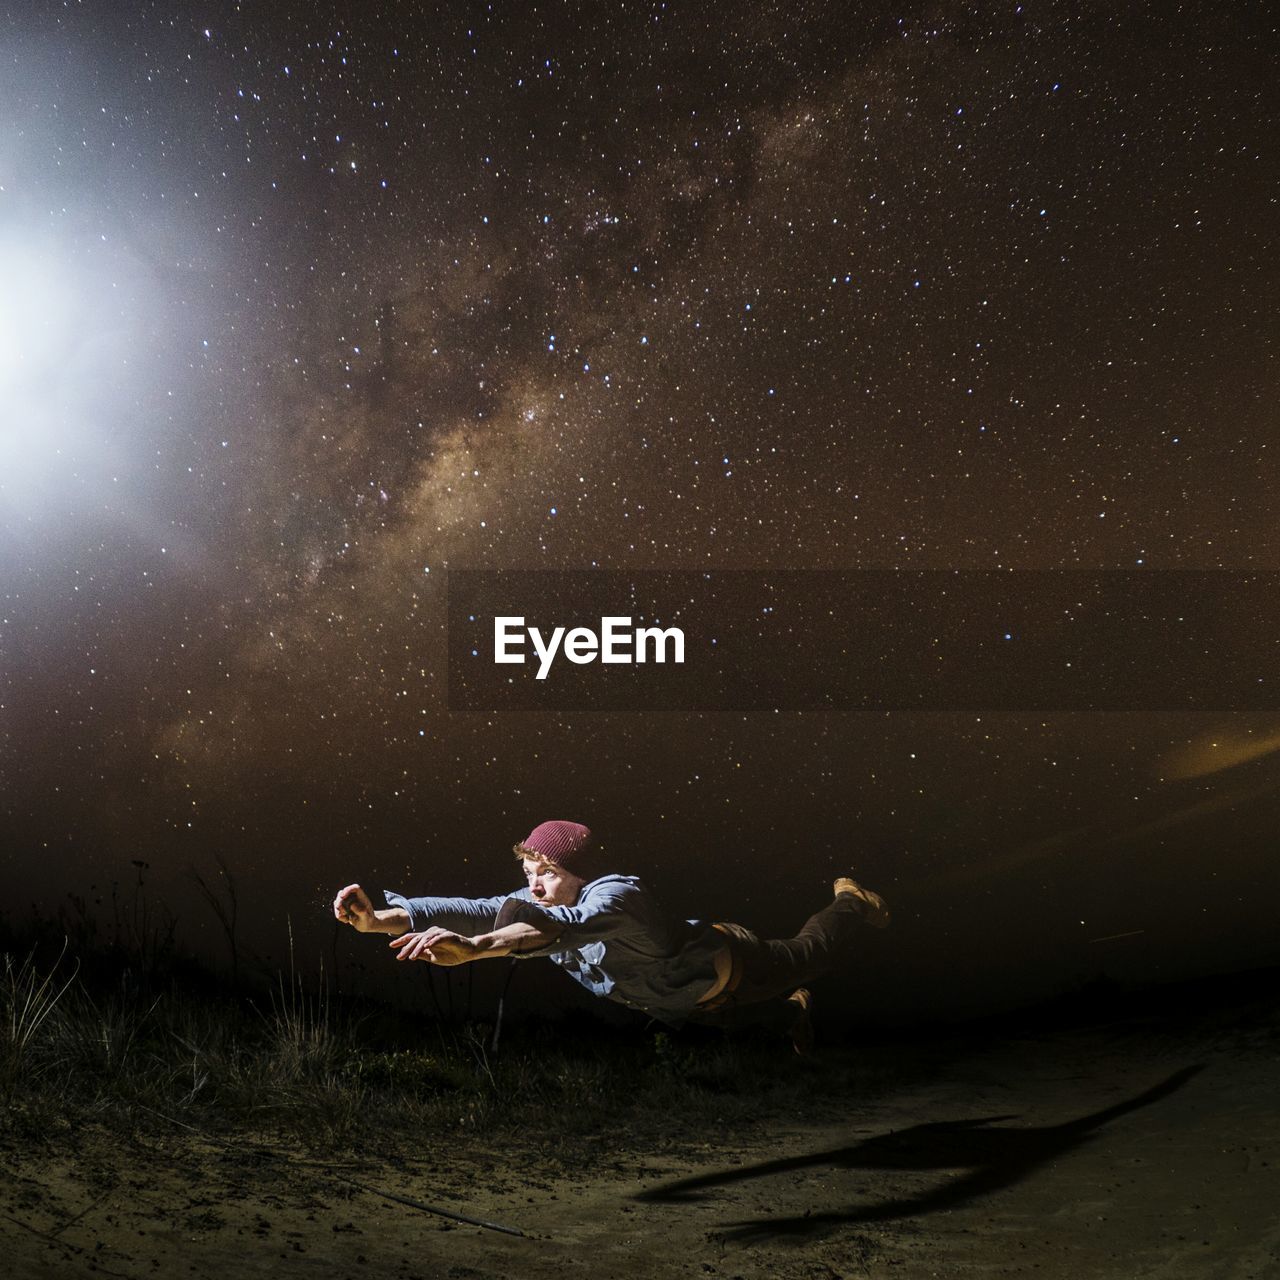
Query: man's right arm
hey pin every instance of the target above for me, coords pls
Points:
(352, 906)
(405, 915)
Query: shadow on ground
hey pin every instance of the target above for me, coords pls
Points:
(994, 1156)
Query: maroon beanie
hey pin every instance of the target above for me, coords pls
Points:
(567, 844)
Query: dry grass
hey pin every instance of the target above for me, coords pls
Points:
(132, 1051)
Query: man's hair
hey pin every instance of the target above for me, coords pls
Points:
(586, 867)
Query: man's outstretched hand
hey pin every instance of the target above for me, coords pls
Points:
(436, 946)
(352, 906)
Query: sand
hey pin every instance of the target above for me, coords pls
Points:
(1124, 1150)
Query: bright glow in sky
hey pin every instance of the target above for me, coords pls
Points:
(70, 323)
(35, 314)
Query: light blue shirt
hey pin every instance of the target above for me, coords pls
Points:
(614, 940)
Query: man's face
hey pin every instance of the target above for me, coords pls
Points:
(550, 885)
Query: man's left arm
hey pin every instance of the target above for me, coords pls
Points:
(440, 946)
(609, 910)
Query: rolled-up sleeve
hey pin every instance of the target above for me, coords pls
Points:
(458, 915)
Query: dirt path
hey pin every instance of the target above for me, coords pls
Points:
(1109, 1153)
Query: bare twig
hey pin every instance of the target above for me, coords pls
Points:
(44, 1235)
(340, 1177)
(89, 1208)
(62, 1244)
(502, 1003)
(226, 906)
(431, 1208)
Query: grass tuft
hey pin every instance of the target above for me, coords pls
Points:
(29, 999)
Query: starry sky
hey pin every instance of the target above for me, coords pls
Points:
(302, 306)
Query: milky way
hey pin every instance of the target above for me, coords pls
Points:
(345, 299)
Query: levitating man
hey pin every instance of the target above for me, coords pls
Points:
(607, 931)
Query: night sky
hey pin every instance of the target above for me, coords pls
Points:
(303, 305)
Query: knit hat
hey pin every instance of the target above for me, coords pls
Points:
(567, 844)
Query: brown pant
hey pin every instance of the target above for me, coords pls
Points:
(766, 970)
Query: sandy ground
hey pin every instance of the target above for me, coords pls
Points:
(1117, 1151)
